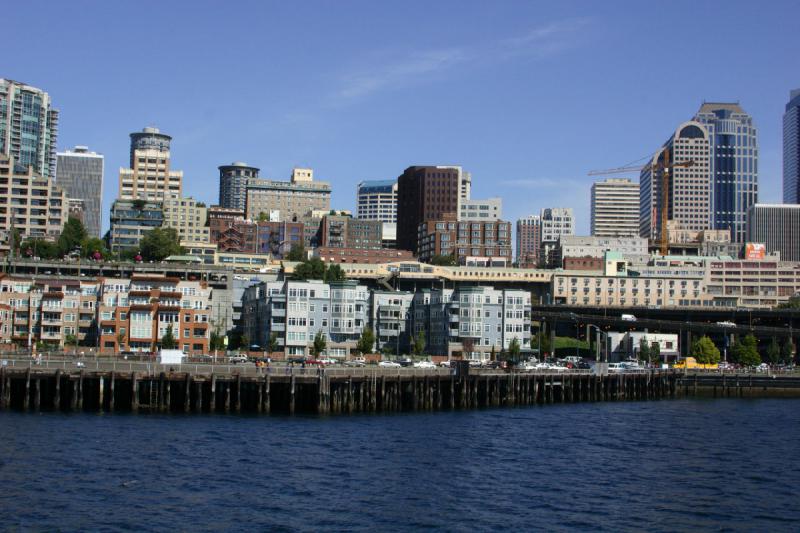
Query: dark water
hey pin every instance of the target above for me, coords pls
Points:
(658, 466)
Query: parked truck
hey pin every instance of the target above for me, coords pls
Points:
(171, 357)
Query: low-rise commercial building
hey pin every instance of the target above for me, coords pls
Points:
(361, 255)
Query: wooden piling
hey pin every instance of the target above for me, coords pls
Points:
(100, 391)
(80, 391)
(27, 399)
(57, 391)
(291, 394)
(135, 392)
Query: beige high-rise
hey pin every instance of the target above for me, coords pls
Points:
(149, 176)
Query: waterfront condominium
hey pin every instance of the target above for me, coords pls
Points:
(688, 200)
(777, 226)
(233, 181)
(615, 208)
(733, 166)
(149, 177)
(529, 238)
(427, 193)
(791, 150)
(28, 127)
(377, 200)
(80, 173)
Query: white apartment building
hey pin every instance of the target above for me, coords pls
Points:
(377, 200)
(615, 208)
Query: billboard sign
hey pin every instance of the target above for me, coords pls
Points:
(755, 250)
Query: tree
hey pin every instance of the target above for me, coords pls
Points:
(244, 342)
(160, 243)
(644, 350)
(217, 340)
(297, 252)
(792, 303)
(41, 248)
(366, 341)
(138, 204)
(443, 260)
(263, 217)
(319, 344)
(92, 246)
(72, 236)
(334, 273)
(70, 340)
(704, 350)
(168, 340)
(774, 352)
(787, 351)
(514, 350)
(745, 351)
(314, 268)
(493, 354)
(273, 344)
(418, 347)
(542, 339)
(655, 353)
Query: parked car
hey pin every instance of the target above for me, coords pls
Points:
(628, 317)
(236, 359)
(389, 364)
(445, 363)
(424, 364)
(355, 363)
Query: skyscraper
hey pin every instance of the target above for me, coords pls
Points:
(791, 149)
(423, 194)
(688, 199)
(28, 127)
(529, 238)
(149, 176)
(80, 173)
(377, 200)
(733, 165)
(233, 181)
(615, 208)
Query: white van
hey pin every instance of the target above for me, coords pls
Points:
(628, 318)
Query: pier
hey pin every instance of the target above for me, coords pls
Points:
(287, 390)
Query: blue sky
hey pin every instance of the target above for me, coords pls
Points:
(528, 96)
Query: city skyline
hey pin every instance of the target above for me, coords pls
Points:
(345, 107)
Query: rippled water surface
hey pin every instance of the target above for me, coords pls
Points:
(658, 466)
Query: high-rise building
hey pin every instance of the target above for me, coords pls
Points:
(615, 208)
(28, 127)
(555, 223)
(529, 238)
(80, 173)
(791, 149)
(733, 165)
(688, 199)
(481, 210)
(426, 193)
(149, 177)
(188, 217)
(233, 180)
(30, 204)
(777, 226)
(292, 198)
(377, 200)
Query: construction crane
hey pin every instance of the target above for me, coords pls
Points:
(664, 167)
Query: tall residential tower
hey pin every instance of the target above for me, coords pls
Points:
(233, 180)
(28, 127)
(615, 208)
(149, 177)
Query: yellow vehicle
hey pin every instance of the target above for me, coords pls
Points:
(691, 363)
